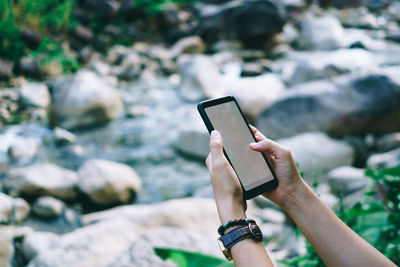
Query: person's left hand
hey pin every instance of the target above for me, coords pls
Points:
(226, 186)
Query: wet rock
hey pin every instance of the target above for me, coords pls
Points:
(43, 179)
(106, 182)
(5, 70)
(130, 67)
(27, 67)
(317, 152)
(62, 136)
(188, 45)
(84, 100)
(358, 18)
(7, 236)
(34, 94)
(257, 93)
(48, 207)
(252, 22)
(12, 210)
(251, 69)
(387, 142)
(346, 180)
(138, 111)
(200, 78)
(321, 33)
(109, 234)
(384, 160)
(36, 242)
(193, 140)
(23, 149)
(361, 104)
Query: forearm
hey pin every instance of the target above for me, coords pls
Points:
(332, 239)
(247, 252)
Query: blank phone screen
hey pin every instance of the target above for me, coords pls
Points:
(250, 166)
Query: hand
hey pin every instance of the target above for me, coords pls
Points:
(226, 186)
(283, 165)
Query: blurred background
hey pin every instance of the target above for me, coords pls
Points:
(102, 150)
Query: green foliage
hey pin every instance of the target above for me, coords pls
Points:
(154, 7)
(183, 258)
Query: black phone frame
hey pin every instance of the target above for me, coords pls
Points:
(270, 185)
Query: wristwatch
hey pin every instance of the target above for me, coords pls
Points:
(227, 241)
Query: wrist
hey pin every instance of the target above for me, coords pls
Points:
(300, 195)
(230, 210)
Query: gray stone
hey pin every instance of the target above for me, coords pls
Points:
(188, 45)
(48, 207)
(23, 149)
(193, 140)
(321, 33)
(130, 67)
(107, 182)
(7, 236)
(361, 104)
(255, 94)
(384, 160)
(317, 152)
(347, 180)
(108, 235)
(13, 210)
(387, 142)
(84, 100)
(63, 136)
(200, 78)
(42, 180)
(358, 18)
(37, 242)
(34, 94)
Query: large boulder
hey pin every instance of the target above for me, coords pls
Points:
(200, 78)
(106, 182)
(43, 179)
(13, 210)
(316, 152)
(252, 22)
(364, 104)
(193, 140)
(84, 100)
(35, 242)
(108, 235)
(256, 93)
(321, 33)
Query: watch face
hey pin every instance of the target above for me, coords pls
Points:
(255, 230)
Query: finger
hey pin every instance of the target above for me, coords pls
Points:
(253, 129)
(271, 147)
(256, 132)
(216, 147)
(209, 162)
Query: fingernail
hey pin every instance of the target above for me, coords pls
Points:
(214, 134)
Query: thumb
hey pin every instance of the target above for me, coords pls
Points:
(269, 146)
(216, 146)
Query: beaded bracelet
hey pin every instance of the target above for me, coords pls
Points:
(237, 222)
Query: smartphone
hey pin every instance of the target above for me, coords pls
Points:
(252, 168)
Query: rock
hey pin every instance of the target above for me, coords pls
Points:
(346, 179)
(321, 33)
(348, 4)
(138, 111)
(322, 65)
(368, 103)
(358, 18)
(251, 69)
(83, 34)
(23, 149)
(108, 235)
(106, 182)
(43, 179)
(7, 236)
(384, 160)
(48, 207)
(200, 78)
(193, 140)
(27, 67)
(31, 37)
(101, 68)
(62, 136)
(252, 22)
(12, 210)
(84, 100)
(271, 215)
(37, 242)
(34, 94)
(387, 142)
(317, 152)
(188, 45)
(257, 93)
(5, 70)
(130, 67)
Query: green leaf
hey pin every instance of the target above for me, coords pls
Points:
(184, 258)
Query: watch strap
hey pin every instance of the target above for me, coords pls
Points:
(238, 234)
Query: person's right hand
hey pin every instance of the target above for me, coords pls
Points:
(283, 165)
